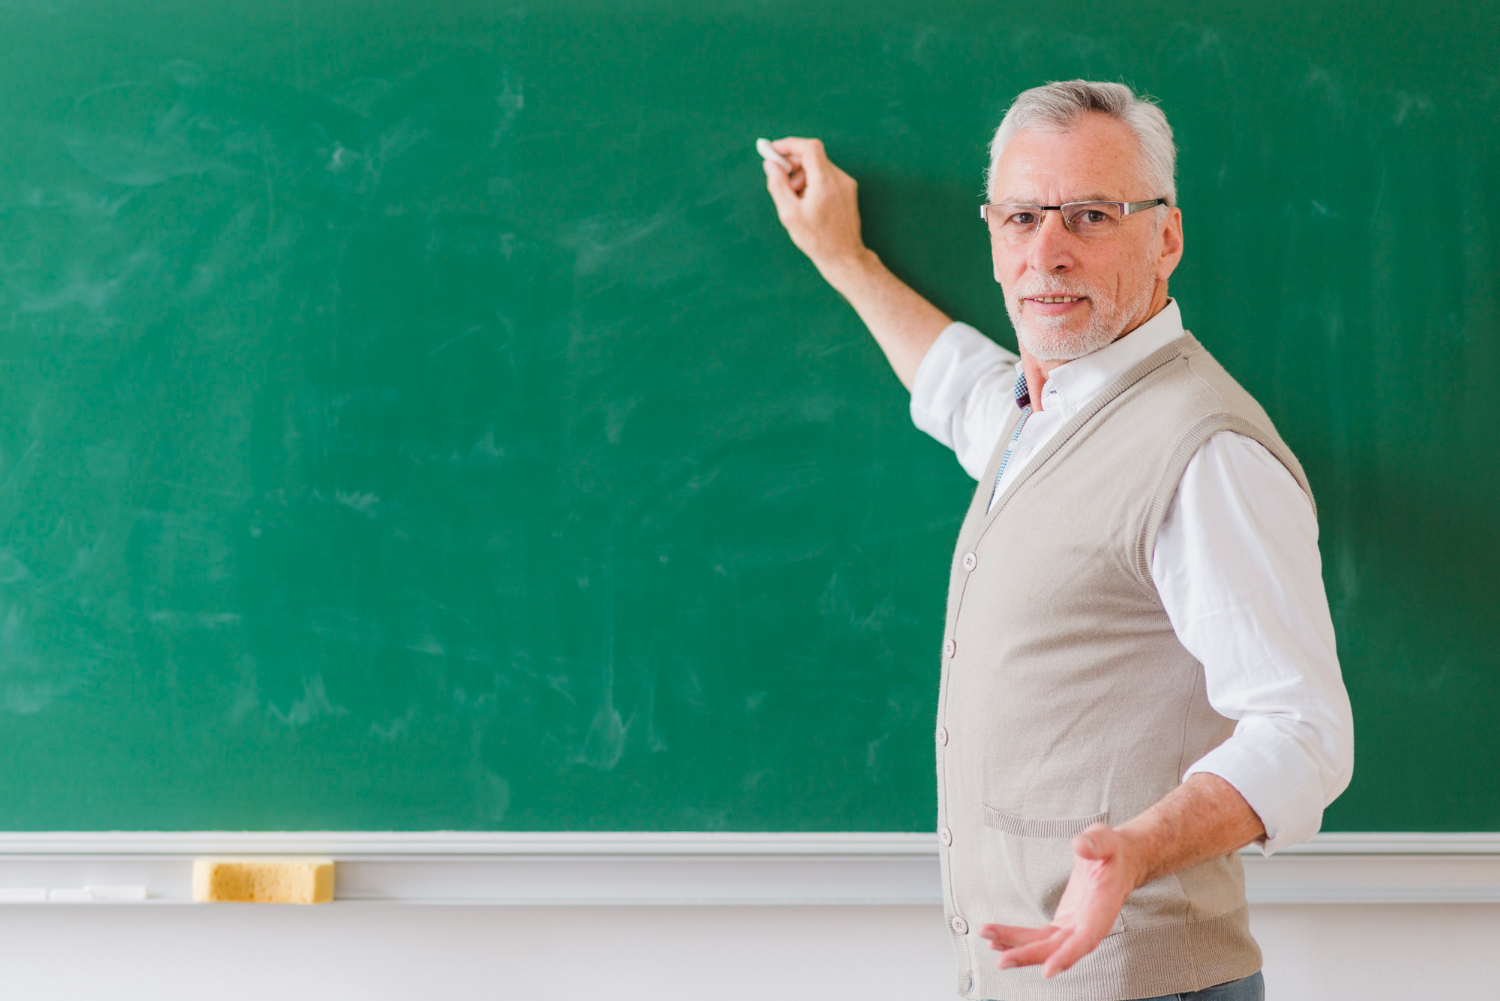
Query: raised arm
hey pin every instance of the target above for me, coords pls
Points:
(818, 205)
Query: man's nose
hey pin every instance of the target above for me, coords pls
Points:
(1052, 246)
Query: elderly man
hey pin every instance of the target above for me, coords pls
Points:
(1138, 671)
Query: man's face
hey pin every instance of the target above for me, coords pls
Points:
(1114, 283)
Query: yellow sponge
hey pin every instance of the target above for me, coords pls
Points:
(263, 881)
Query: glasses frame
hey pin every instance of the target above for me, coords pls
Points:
(1126, 209)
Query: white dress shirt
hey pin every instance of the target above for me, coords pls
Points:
(1236, 565)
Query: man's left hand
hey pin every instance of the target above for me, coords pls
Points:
(1103, 876)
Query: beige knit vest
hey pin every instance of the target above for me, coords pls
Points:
(1066, 698)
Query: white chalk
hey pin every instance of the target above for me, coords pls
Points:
(70, 895)
(76, 895)
(23, 894)
(763, 147)
(116, 894)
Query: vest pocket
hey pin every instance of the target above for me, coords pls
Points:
(1027, 864)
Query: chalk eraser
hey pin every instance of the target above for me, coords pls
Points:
(263, 881)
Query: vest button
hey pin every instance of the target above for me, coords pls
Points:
(943, 736)
(946, 837)
(970, 561)
(959, 925)
(949, 648)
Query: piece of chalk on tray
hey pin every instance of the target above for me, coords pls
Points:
(23, 894)
(263, 881)
(71, 894)
(116, 894)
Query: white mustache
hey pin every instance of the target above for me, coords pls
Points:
(1065, 286)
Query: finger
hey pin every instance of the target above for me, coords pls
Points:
(1068, 952)
(1030, 955)
(1007, 936)
(1094, 842)
(796, 175)
(795, 147)
(808, 153)
(780, 189)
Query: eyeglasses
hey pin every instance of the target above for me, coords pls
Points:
(1016, 223)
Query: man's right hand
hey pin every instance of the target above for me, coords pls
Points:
(818, 204)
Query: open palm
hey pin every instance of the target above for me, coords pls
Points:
(1102, 878)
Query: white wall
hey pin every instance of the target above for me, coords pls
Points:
(1323, 952)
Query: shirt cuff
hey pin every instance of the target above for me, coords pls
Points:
(1275, 774)
(956, 362)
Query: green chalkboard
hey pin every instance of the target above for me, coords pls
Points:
(413, 417)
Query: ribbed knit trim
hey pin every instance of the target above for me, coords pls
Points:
(1137, 964)
(1040, 828)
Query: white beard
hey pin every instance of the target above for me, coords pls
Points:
(1046, 338)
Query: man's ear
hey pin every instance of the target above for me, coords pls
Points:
(1171, 244)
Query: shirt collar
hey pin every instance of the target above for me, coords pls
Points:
(1071, 386)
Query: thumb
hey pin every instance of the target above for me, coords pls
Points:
(1097, 842)
(810, 156)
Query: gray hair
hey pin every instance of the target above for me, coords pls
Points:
(1058, 106)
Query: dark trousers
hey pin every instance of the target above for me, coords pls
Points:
(1251, 988)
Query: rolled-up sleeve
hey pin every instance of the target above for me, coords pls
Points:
(961, 394)
(1237, 567)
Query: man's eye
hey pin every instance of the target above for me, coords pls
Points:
(1022, 219)
(1093, 220)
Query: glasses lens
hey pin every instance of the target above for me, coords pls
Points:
(1015, 223)
(1088, 219)
(1011, 222)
